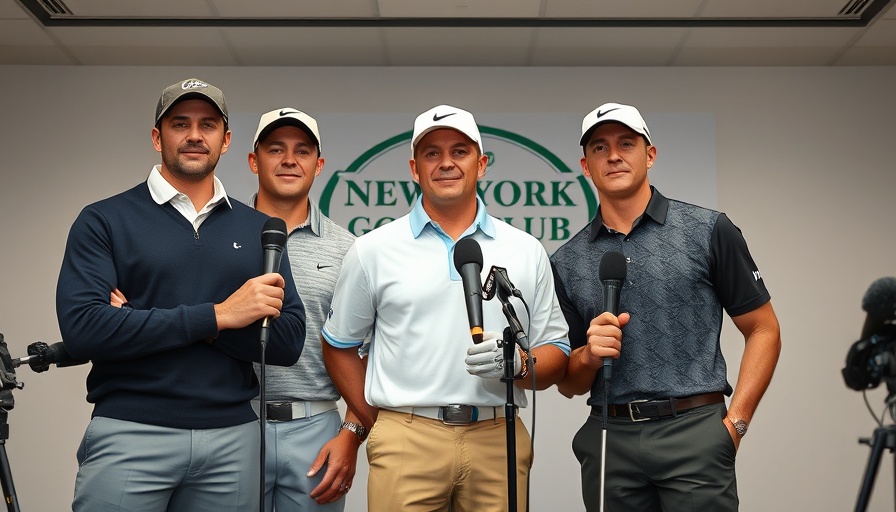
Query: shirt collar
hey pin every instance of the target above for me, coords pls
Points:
(656, 209)
(163, 192)
(419, 219)
(314, 216)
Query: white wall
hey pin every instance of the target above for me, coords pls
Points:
(804, 169)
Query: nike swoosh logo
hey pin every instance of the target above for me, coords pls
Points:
(237, 246)
(321, 267)
(437, 117)
(285, 112)
(605, 112)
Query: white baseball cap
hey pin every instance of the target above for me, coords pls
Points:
(446, 116)
(286, 116)
(614, 113)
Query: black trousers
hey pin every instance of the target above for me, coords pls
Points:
(681, 464)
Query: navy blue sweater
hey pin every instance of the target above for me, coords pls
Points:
(162, 361)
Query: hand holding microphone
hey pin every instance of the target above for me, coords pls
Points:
(260, 297)
(611, 272)
(486, 359)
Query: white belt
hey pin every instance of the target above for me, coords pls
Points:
(286, 411)
(454, 414)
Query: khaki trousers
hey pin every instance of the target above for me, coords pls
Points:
(420, 464)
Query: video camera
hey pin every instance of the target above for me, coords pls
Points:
(873, 357)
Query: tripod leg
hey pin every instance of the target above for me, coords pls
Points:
(9, 489)
(878, 442)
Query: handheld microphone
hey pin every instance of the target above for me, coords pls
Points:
(612, 275)
(273, 238)
(41, 356)
(880, 304)
(468, 262)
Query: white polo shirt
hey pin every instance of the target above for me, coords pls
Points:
(398, 282)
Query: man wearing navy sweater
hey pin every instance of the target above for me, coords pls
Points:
(172, 377)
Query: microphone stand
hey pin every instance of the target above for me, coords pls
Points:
(512, 335)
(262, 410)
(607, 368)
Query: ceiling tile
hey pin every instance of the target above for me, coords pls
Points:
(12, 11)
(295, 9)
(880, 33)
(765, 37)
(34, 56)
(622, 8)
(23, 33)
(605, 46)
(459, 8)
(772, 8)
(147, 55)
(458, 46)
(755, 56)
(868, 56)
(173, 38)
(139, 8)
(297, 46)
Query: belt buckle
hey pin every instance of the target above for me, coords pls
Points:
(277, 409)
(457, 414)
(631, 411)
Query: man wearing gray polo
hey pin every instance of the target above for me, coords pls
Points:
(310, 458)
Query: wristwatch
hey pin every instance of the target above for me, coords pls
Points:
(355, 428)
(740, 426)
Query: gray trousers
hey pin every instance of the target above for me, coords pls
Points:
(127, 466)
(681, 464)
(290, 449)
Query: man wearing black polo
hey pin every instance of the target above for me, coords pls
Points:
(670, 440)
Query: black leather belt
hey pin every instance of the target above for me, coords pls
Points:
(645, 410)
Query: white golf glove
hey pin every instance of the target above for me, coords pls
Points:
(486, 359)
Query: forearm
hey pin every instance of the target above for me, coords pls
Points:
(94, 329)
(549, 367)
(348, 370)
(579, 376)
(761, 351)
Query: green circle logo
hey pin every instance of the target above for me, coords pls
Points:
(526, 185)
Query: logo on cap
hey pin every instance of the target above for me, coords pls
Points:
(605, 112)
(193, 84)
(437, 117)
(285, 112)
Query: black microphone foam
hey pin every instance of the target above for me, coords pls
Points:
(880, 304)
(612, 275)
(612, 266)
(468, 262)
(273, 239)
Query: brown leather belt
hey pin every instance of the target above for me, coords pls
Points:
(645, 410)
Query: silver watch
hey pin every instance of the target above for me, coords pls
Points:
(355, 428)
(740, 426)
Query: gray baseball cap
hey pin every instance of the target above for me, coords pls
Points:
(190, 88)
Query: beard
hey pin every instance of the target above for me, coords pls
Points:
(190, 168)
